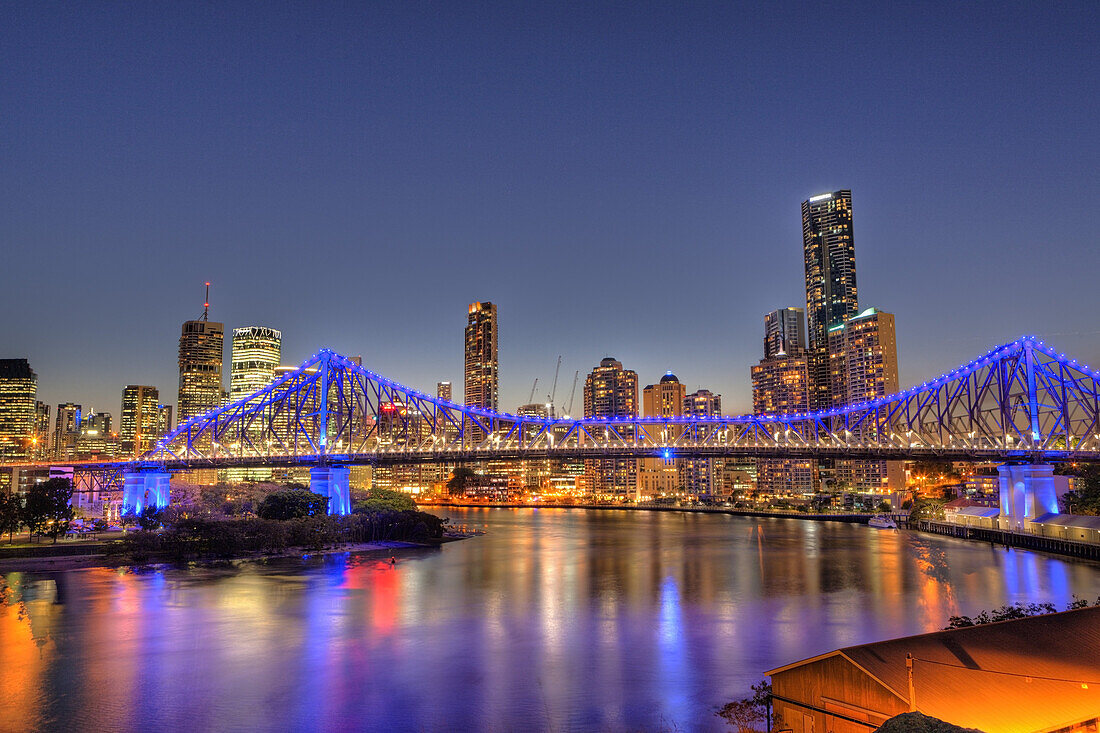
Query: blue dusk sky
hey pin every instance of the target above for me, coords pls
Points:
(621, 179)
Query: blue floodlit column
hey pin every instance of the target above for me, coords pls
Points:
(332, 481)
(145, 488)
(133, 492)
(1027, 492)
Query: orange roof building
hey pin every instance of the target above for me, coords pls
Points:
(1023, 676)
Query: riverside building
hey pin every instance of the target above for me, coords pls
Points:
(660, 477)
(611, 391)
(18, 393)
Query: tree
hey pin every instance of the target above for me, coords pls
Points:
(151, 517)
(745, 714)
(1085, 497)
(385, 499)
(291, 504)
(11, 514)
(463, 478)
(46, 509)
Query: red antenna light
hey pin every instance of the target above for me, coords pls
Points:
(206, 304)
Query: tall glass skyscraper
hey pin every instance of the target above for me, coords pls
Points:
(202, 345)
(139, 422)
(481, 356)
(828, 248)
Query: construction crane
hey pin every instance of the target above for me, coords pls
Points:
(573, 393)
(531, 397)
(554, 390)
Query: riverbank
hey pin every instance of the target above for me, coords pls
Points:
(849, 517)
(1021, 540)
(108, 559)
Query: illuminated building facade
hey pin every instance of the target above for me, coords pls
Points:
(139, 421)
(863, 366)
(611, 391)
(66, 424)
(659, 477)
(256, 354)
(782, 383)
(784, 332)
(18, 393)
(164, 420)
(201, 351)
(828, 247)
(701, 476)
(443, 391)
(481, 357)
(41, 438)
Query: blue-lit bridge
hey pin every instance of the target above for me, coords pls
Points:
(1021, 403)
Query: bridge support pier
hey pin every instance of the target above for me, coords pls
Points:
(145, 488)
(1027, 492)
(333, 482)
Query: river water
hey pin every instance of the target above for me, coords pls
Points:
(556, 620)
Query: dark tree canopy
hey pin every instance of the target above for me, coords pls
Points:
(292, 503)
(385, 499)
(46, 508)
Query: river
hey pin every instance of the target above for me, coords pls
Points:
(556, 619)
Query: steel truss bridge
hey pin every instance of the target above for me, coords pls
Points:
(1022, 402)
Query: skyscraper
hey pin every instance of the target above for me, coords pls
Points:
(66, 427)
(700, 475)
(200, 361)
(18, 392)
(256, 354)
(783, 383)
(443, 390)
(481, 356)
(658, 476)
(784, 332)
(139, 421)
(863, 366)
(41, 430)
(611, 391)
(828, 248)
(164, 420)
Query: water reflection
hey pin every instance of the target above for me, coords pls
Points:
(556, 620)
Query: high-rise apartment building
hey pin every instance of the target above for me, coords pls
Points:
(443, 391)
(659, 476)
(784, 332)
(18, 393)
(783, 383)
(139, 421)
(828, 248)
(611, 391)
(863, 366)
(256, 354)
(701, 476)
(66, 427)
(481, 356)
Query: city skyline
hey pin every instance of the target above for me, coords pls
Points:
(542, 198)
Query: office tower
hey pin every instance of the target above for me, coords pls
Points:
(139, 428)
(700, 476)
(611, 391)
(443, 391)
(784, 332)
(95, 439)
(66, 427)
(782, 383)
(18, 392)
(830, 266)
(481, 356)
(659, 476)
(200, 361)
(256, 354)
(164, 420)
(863, 366)
(41, 430)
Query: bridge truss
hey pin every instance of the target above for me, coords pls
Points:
(1020, 402)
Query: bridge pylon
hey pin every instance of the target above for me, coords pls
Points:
(142, 487)
(1027, 492)
(333, 482)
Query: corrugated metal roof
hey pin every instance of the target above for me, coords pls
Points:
(1030, 674)
(1068, 520)
(979, 511)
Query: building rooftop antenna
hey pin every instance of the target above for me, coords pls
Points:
(206, 303)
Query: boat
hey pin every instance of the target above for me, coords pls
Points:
(881, 521)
